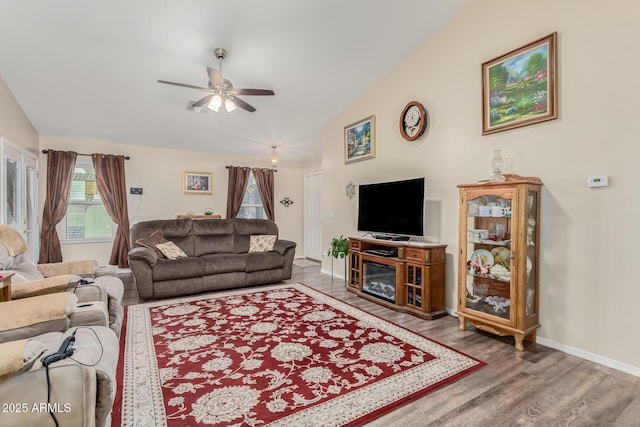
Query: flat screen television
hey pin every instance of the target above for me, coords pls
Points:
(394, 208)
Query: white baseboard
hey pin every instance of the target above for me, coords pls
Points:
(591, 357)
(582, 354)
(586, 355)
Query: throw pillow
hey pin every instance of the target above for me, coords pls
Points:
(262, 242)
(154, 239)
(171, 250)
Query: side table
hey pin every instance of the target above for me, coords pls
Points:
(5, 287)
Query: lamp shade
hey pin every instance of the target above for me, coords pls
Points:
(216, 103)
(229, 105)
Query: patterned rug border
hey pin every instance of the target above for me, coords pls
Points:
(153, 413)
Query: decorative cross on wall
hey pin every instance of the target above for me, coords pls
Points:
(286, 202)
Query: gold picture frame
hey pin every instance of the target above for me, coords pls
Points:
(360, 140)
(520, 88)
(197, 182)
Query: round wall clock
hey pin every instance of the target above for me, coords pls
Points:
(413, 121)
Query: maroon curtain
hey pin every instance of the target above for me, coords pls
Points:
(112, 187)
(264, 180)
(60, 165)
(238, 180)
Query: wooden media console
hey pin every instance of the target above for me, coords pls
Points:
(403, 276)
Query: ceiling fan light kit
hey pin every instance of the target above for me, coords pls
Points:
(221, 90)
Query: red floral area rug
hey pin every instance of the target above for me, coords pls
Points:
(284, 355)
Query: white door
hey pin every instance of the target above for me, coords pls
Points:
(19, 180)
(313, 216)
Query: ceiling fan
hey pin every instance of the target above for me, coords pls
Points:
(221, 90)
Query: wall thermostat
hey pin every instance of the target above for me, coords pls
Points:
(597, 181)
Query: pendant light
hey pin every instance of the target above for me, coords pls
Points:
(274, 160)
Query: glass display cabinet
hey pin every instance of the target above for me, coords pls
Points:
(498, 261)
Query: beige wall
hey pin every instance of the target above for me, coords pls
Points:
(312, 164)
(589, 292)
(159, 172)
(14, 124)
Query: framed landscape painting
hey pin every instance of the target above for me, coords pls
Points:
(360, 140)
(197, 182)
(519, 88)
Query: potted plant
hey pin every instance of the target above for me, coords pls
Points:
(339, 248)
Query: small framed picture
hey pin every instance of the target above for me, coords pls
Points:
(519, 88)
(197, 182)
(360, 140)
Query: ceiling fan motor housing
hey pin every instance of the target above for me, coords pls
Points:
(220, 53)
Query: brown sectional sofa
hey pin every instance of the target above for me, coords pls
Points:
(218, 257)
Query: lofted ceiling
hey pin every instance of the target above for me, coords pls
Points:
(89, 68)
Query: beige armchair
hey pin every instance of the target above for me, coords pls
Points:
(32, 280)
(56, 312)
(80, 388)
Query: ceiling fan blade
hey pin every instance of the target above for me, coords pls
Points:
(240, 103)
(215, 77)
(252, 91)
(201, 102)
(185, 85)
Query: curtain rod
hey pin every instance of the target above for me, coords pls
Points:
(80, 154)
(247, 167)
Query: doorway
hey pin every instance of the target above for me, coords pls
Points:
(313, 216)
(19, 201)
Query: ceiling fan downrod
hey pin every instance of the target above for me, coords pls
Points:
(220, 53)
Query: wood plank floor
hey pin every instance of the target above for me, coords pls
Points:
(540, 386)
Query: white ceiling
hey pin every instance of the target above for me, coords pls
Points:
(89, 68)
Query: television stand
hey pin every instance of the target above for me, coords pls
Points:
(392, 237)
(407, 277)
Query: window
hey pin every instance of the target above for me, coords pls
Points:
(87, 219)
(251, 203)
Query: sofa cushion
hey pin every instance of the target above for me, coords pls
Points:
(6, 260)
(24, 269)
(259, 261)
(262, 242)
(170, 250)
(181, 268)
(179, 231)
(150, 256)
(224, 263)
(156, 238)
(12, 357)
(213, 236)
(244, 228)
